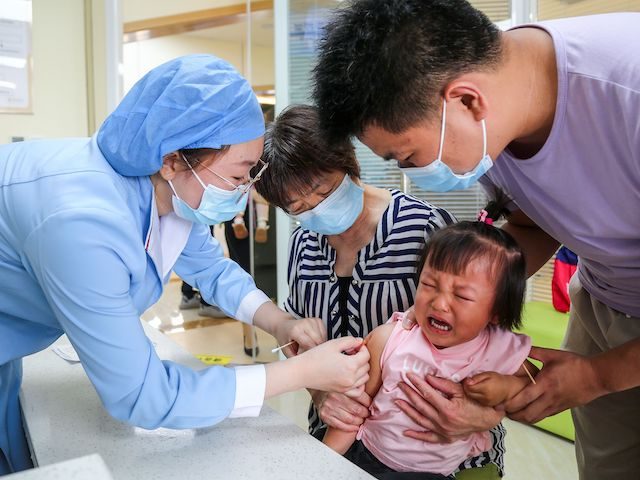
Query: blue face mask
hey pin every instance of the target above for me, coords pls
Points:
(336, 213)
(438, 177)
(217, 205)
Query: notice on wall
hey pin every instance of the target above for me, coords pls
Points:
(15, 56)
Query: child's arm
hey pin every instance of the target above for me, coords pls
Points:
(339, 440)
(491, 388)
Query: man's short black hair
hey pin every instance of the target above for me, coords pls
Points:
(386, 62)
(298, 153)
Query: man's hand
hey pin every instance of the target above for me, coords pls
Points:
(442, 409)
(342, 412)
(566, 380)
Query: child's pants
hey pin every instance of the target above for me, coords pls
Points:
(607, 429)
(362, 457)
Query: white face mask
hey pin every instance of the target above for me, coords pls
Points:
(438, 177)
(216, 206)
(336, 213)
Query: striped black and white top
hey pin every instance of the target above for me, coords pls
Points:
(383, 282)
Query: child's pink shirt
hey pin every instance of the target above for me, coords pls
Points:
(494, 349)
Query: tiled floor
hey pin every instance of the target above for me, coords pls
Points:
(532, 454)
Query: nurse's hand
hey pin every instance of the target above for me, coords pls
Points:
(306, 333)
(340, 365)
(443, 410)
(342, 412)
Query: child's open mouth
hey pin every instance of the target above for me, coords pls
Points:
(439, 325)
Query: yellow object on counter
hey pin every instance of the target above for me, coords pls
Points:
(215, 359)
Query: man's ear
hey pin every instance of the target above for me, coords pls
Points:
(468, 94)
(170, 166)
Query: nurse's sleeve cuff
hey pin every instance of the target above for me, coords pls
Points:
(251, 382)
(249, 304)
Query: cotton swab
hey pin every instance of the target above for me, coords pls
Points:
(529, 374)
(274, 350)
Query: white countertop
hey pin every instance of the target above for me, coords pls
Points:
(89, 467)
(64, 420)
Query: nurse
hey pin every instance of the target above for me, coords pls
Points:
(91, 228)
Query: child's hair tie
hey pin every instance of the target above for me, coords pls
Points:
(484, 217)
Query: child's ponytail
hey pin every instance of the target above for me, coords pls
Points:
(495, 209)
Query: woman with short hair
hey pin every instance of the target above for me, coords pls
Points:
(353, 258)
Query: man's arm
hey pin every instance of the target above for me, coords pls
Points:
(568, 380)
(537, 245)
(619, 368)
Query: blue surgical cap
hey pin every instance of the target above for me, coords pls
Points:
(195, 101)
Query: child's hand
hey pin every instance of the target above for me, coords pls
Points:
(487, 388)
(409, 319)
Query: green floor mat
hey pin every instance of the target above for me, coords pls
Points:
(488, 472)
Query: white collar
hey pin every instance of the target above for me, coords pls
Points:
(166, 238)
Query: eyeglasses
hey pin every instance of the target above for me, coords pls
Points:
(243, 188)
(247, 186)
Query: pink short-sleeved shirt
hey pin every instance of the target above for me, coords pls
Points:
(494, 349)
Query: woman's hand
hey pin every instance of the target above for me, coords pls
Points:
(443, 410)
(342, 412)
(566, 380)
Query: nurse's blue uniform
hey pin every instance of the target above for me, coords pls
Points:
(83, 252)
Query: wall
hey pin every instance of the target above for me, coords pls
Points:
(134, 10)
(548, 9)
(140, 57)
(104, 58)
(59, 81)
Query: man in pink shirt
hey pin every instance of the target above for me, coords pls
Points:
(548, 113)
